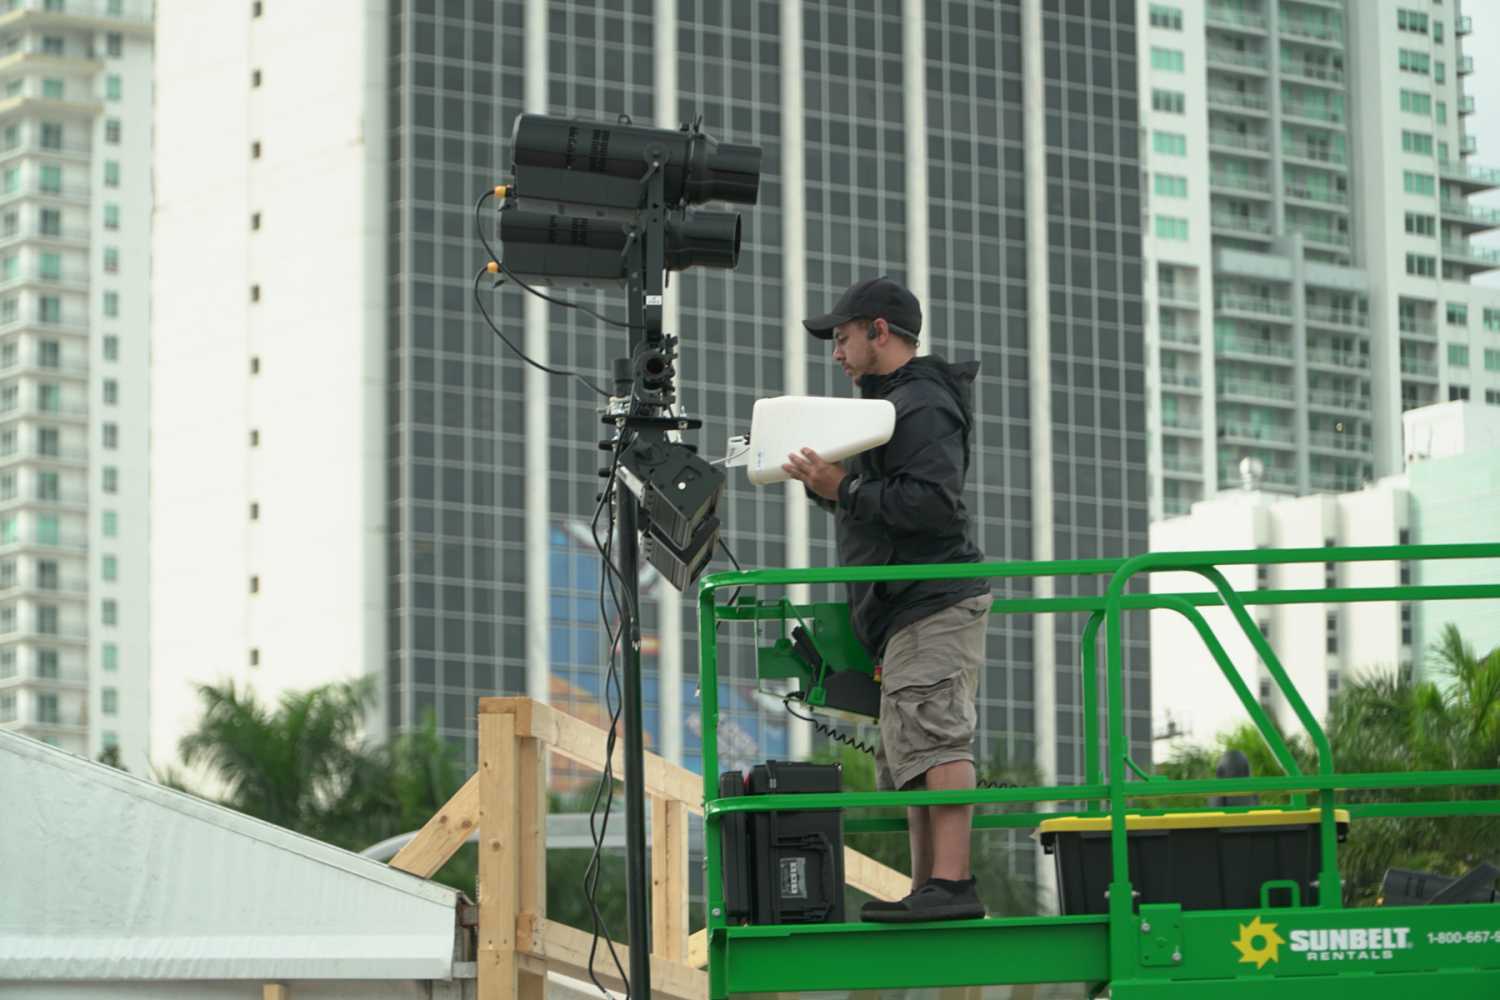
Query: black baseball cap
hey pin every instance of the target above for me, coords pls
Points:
(873, 298)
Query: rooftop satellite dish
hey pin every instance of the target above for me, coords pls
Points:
(834, 428)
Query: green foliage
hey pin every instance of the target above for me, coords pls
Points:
(1388, 723)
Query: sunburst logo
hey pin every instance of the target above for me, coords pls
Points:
(1269, 947)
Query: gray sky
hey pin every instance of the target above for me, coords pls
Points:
(1484, 85)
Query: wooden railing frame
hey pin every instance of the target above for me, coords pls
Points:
(505, 800)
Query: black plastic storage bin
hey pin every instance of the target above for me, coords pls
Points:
(1202, 861)
(783, 867)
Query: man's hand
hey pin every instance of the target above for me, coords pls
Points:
(821, 477)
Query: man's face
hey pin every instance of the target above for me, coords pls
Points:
(853, 349)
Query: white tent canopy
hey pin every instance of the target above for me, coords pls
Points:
(115, 886)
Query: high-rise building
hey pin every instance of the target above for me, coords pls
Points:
(1307, 248)
(75, 224)
(408, 500)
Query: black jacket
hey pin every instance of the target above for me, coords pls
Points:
(908, 505)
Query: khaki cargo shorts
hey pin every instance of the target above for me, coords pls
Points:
(928, 687)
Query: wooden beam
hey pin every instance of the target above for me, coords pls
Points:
(531, 857)
(579, 741)
(669, 880)
(499, 888)
(566, 949)
(443, 834)
(697, 952)
(868, 875)
(274, 991)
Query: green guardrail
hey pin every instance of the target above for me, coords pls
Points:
(1137, 951)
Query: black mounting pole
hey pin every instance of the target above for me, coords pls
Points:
(645, 309)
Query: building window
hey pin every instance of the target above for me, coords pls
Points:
(49, 266)
(1412, 61)
(111, 260)
(46, 709)
(1491, 359)
(1421, 266)
(111, 347)
(1170, 186)
(109, 611)
(1411, 20)
(1439, 71)
(52, 89)
(1442, 113)
(49, 354)
(109, 657)
(111, 479)
(49, 179)
(112, 304)
(254, 220)
(47, 442)
(256, 9)
(49, 221)
(1171, 101)
(1492, 320)
(49, 310)
(1169, 227)
(1163, 16)
(1458, 313)
(109, 701)
(255, 150)
(46, 619)
(1416, 102)
(1492, 397)
(110, 524)
(1169, 60)
(1416, 183)
(113, 87)
(1331, 631)
(111, 389)
(1458, 355)
(1169, 143)
(111, 435)
(7, 708)
(52, 135)
(254, 510)
(111, 173)
(1420, 225)
(110, 568)
(255, 585)
(1408, 630)
(1419, 143)
(255, 364)
(254, 293)
(1457, 392)
(111, 215)
(255, 78)
(52, 45)
(114, 44)
(254, 657)
(112, 131)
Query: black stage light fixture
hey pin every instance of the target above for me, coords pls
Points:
(680, 566)
(563, 164)
(679, 494)
(571, 250)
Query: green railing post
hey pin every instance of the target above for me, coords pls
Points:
(1122, 951)
(1091, 699)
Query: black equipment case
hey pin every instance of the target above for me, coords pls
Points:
(783, 867)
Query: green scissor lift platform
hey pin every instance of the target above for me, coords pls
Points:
(1314, 949)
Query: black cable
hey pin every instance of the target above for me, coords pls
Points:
(622, 324)
(736, 563)
(605, 792)
(516, 350)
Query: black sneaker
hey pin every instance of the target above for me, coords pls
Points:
(933, 901)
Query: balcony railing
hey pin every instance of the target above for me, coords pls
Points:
(1338, 359)
(1318, 154)
(77, 543)
(1237, 140)
(1332, 482)
(1411, 327)
(1270, 476)
(1339, 400)
(1465, 65)
(1312, 71)
(72, 234)
(1468, 145)
(1242, 223)
(1463, 26)
(1238, 99)
(1234, 57)
(1331, 237)
(1316, 30)
(1313, 112)
(1466, 104)
(1183, 464)
(128, 10)
(1253, 304)
(1178, 294)
(1228, 17)
(1183, 422)
(1258, 348)
(1323, 196)
(1472, 213)
(1277, 435)
(1468, 173)
(1254, 389)
(50, 365)
(1182, 336)
(1180, 379)
(1466, 252)
(1241, 182)
(1332, 316)
(1330, 441)
(1412, 366)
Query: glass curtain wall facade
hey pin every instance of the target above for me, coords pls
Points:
(456, 484)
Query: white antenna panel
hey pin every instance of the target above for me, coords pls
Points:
(834, 428)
